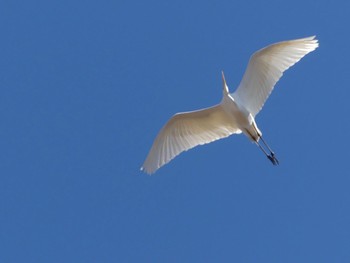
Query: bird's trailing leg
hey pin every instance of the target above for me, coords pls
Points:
(256, 139)
(268, 147)
(273, 159)
(270, 156)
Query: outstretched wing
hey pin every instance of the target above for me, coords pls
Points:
(185, 131)
(266, 67)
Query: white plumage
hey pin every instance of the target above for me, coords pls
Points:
(236, 112)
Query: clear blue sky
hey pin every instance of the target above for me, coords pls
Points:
(85, 88)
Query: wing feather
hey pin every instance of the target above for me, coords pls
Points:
(266, 67)
(185, 131)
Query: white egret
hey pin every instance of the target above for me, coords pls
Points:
(236, 112)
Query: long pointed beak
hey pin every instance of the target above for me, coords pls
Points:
(224, 85)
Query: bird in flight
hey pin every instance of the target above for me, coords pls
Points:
(236, 112)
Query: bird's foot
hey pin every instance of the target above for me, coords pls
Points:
(273, 159)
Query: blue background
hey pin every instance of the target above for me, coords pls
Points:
(85, 88)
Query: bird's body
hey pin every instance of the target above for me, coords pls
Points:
(236, 112)
(239, 115)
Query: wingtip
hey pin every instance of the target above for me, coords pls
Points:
(146, 171)
(312, 38)
(313, 41)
